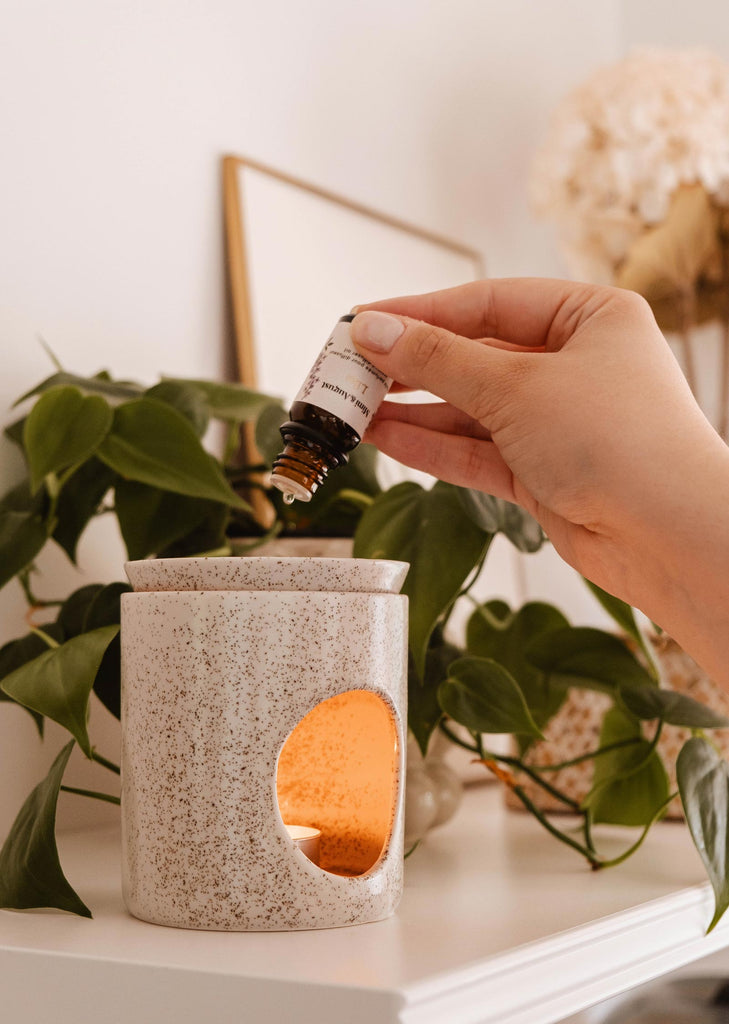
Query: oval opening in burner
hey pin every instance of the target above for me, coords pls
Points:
(337, 772)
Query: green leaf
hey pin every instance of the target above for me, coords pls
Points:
(209, 535)
(620, 612)
(26, 648)
(494, 631)
(154, 444)
(50, 353)
(630, 783)
(624, 616)
(78, 502)
(105, 610)
(14, 432)
(268, 437)
(101, 384)
(19, 652)
(151, 520)
(187, 400)
(498, 516)
(672, 708)
(430, 530)
(30, 871)
(58, 682)
(72, 613)
(484, 697)
(231, 402)
(703, 782)
(424, 711)
(587, 658)
(63, 429)
(23, 530)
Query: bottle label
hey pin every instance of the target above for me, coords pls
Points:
(344, 383)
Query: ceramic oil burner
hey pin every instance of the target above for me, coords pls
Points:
(263, 741)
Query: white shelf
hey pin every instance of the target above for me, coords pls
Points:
(499, 924)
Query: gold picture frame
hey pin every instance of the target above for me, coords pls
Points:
(240, 257)
(299, 256)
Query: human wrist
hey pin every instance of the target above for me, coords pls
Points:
(681, 565)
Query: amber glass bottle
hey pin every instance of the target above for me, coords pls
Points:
(329, 415)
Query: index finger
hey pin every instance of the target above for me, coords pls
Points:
(527, 311)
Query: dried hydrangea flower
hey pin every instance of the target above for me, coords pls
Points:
(620, 145)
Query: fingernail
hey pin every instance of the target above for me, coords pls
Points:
(354, 310)
(376, 331)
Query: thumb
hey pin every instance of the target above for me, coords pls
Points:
(470, 375)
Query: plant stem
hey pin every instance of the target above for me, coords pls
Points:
(456, 739)
(232, 443)
(463, 592)
(620, 776)
(91, 793)
(95, 756)
(614, 861)
(223, 551)
(587, 757)
(468, 585)
(357, 498)
(52, 486)
(651, 748)
(491, 761)
(486, 615)
(30, 597)
(264, 538)
(654, 742)
(586, 852)
(66, 476)
(50, 353)
(44, 637)
(515, 762)
(650, 657)
(587, 831)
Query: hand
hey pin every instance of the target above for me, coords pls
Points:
(566, 399)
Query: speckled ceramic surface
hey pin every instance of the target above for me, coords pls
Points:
(364, 575)
(213, 684)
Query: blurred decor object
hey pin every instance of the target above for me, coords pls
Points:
(433, 791)
(635, 173)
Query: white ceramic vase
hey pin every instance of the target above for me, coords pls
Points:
(260, 694)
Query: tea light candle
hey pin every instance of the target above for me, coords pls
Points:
(307, 840)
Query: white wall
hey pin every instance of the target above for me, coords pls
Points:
(114, 115)
(656, 23)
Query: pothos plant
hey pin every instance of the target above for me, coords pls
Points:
(96, 446)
